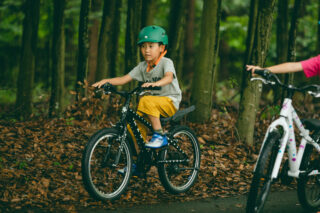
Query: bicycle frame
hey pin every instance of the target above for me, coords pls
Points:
(288, 117)
(128, 117)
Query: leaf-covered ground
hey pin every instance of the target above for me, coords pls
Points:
(40, 161)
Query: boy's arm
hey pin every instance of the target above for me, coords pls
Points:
(114, 81)
(167, 79)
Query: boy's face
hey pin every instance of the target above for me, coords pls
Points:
(151, 51)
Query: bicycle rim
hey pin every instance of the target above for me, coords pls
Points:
(181, 162)
(261, 182)
(102, 176)
(309, 186)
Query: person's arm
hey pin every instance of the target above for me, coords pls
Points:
(114, 81)
(288, 67)
(167, 79)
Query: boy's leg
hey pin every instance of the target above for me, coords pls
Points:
(154, 106)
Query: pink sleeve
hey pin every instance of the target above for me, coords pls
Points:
(311, 67)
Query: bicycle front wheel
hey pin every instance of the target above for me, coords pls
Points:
(309, 186)
(106, 165)
(262, 180)
(179, 164)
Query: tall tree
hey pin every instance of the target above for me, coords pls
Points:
(104, 50)
(58, 57)
(297, 9)
(83, 46)
(260, 22)
(27, 58)
(132, 31)
(282, 39)
(282, 31)
(114, 46)
(93, 40)
(189, 41)
(176, 32)
(202, 85)
(147, 13)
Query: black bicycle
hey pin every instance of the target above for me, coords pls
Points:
(111, 150)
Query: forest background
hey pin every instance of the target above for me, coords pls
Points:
(51, 51)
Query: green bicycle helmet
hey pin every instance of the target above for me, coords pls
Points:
(153, 33)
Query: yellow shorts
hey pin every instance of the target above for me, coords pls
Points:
(154, 106)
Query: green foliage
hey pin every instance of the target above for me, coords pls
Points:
(7, 96)
(70, 167)
(56, 163)
(22, 164)
(227, 91)
(70, 121)
(11, 18)
(270, 112)
(234, 31)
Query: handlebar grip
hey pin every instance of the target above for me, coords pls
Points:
(108, 87)
(150, 88)
(263, 72)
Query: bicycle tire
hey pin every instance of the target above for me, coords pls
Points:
(177, 175)
(309, 186)
(261, 181)
(101, 177)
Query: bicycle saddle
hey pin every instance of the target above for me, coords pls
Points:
(312, 124)
(178, 115)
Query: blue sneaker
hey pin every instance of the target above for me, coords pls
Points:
(157, 141)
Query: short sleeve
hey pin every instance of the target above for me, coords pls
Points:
(311, 67)
(136, 73)
(169, 67)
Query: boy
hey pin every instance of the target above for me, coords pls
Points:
(155, 71)
(310, 67)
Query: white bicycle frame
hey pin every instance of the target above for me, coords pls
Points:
(288, 115)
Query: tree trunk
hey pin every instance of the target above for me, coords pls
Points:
(258, 36)
(147, 13)
(297, 9)
(132, 53)
(58, 57)
(202, 86)
(93, 40)
(83, 46)
(282, 31)
(27, 59)
(189, 43)
(114, 46)
(282, 40)
(104, 50)
(176, 32)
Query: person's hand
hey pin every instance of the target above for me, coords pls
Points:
(100, 83)
(155, 84)
(252, 68)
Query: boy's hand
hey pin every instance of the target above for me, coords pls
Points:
(100, 83)
(155, 84)
(252, 68)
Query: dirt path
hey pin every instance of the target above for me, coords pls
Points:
(278, 202)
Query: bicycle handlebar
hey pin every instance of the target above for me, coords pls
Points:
(271, 78)
(108, 88)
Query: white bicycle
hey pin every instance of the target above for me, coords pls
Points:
(303, 163)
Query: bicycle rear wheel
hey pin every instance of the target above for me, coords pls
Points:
(104, 156)
(179, 163)
(261, 181)
(309, 186)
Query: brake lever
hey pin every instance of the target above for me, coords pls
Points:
(314, 94)
(263, 80)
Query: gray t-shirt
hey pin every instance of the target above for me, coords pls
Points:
(171, 90)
